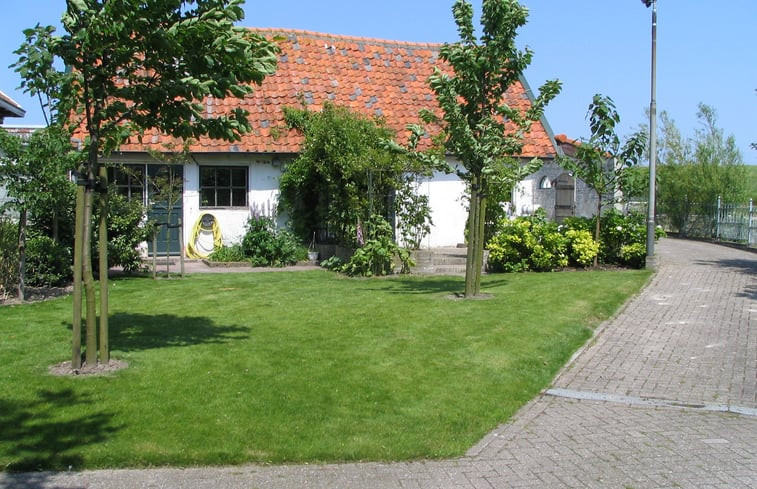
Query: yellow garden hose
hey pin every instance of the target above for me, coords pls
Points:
(205, 238)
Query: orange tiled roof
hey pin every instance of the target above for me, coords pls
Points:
(567, 144)
(374, 77)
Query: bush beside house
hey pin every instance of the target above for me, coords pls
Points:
(533, 243)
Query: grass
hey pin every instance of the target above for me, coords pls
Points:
(292, 367)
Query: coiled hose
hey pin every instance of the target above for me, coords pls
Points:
(205, 238)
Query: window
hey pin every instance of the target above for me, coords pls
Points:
(223, 186)
(129, 181)
(545, 183)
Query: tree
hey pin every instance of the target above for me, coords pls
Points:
(694, 172)
(602, 161)
(481, 130)
(345, 174)
(131, 66)
(34, 172)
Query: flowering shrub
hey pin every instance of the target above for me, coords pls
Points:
(376, 255)
(582, 248)
(617, 230)
(533, 243)
(633, 255)
(527, 243)
(624, 237)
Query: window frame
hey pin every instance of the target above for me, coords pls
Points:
(136, 180)
(234, 187)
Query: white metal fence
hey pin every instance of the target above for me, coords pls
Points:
(737, 223)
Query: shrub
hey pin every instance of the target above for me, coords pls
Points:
(618, 230)
(228, 254)
(48, 262)
(633, 255)
(581, 247)
(527, 243)
(532, 243)
(333, 263)
(622, 236)
(127, 228)
(263, 245)
(376, 256)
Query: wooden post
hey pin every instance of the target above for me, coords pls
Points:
(76, 327)
(154, 254)
(22, 254)
(181, 245)
(103, 258)
(90, 336)
(168, 245)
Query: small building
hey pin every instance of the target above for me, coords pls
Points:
(556, 190)
(378, 78)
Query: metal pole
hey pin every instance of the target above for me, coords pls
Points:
(652, 139)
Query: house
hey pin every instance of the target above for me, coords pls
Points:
(555, 190)
(386, 79)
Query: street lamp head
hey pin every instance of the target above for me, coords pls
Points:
(648, 3)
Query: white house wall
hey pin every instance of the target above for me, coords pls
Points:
(263, 194)
(449, 213)
(446, 193)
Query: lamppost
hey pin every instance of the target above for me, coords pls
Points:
(652, 134)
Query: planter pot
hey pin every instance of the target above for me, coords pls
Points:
(313, 256)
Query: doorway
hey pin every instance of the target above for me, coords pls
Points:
(565, 197)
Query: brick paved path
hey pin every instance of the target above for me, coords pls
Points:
(664, 397)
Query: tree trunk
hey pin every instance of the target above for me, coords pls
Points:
(78, 246)
(89, 282)
(481, 237)
(168, 239)
(470, 259)
(22, 254)
(596, 229)
(102, 236)
(476, 221)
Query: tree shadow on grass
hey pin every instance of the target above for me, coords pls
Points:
(36, 438)
(450, 285)
(131, 332)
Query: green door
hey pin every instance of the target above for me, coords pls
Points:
(165, 192)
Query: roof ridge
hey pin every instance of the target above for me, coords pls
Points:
(344, 37)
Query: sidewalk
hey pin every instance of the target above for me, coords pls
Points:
(664, 396)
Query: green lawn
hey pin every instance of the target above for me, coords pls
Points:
(292, 367)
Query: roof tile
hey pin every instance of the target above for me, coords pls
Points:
(371, 76)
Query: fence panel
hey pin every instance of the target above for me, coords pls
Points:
(721, 221)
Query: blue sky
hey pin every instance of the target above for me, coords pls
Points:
(707, 51)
